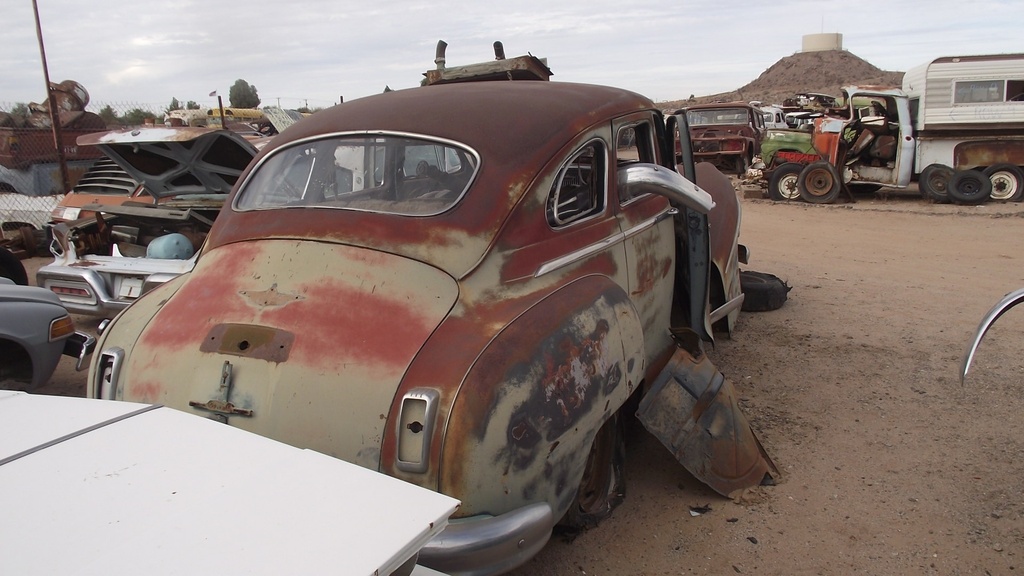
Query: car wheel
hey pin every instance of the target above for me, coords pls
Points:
(762, 291)
(970, 187)
(603, 485)
(11, 267)
(934, 182)
(819, 183)
(1007, 182)
(782, 186)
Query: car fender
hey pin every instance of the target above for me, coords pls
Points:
(536, 396)
(27, 312)
(725, 294)
(118, 338)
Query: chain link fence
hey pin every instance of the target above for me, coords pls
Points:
(32, 182)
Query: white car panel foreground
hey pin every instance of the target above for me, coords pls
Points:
(103, 487)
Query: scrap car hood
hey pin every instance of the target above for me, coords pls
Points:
(174, 161)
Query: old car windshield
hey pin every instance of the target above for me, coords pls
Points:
(717, 116)
(391, 174)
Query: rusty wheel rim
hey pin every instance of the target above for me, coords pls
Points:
(819, 182)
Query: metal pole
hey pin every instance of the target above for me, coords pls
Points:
(52, 101)
(220, 104)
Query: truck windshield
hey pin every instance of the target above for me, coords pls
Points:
(718, 116)
(390, 174)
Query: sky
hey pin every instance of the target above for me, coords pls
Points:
(143, 53)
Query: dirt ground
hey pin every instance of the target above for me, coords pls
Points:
(889, 465)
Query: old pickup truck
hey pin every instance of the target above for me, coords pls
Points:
(727, 134)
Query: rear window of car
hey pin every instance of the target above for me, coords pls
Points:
(395, 174)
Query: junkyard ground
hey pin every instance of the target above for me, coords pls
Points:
(889, 465)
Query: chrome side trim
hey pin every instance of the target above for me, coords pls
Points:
(578, 255)
(650, 222)
(724, 310)
(1007, 302)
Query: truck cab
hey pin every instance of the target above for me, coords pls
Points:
(870, 139)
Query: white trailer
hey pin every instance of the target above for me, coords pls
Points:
(968, 115)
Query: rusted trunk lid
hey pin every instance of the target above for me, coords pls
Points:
(694, 411)
(303, 342)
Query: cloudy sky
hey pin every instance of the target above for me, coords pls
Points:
(144, 52)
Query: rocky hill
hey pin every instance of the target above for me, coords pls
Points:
(824, 72)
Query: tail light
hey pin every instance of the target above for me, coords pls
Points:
(108, 372)
(416, 423)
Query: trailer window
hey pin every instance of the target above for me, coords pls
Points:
(1015, 90)
(978, 92)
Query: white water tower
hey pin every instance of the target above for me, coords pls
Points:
(822, 42)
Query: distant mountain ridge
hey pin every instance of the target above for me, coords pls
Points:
(824, 72)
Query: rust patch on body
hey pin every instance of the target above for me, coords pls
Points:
(342, 323)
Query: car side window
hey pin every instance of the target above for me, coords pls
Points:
(579, 187)
(634, 143)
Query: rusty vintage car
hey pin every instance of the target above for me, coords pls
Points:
(727, 134)
(469, 287)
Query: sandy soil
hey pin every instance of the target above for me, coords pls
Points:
(889, 465)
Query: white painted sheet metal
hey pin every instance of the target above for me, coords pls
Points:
(151, 490)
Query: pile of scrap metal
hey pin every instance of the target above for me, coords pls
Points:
(18, 243)
(28, 139)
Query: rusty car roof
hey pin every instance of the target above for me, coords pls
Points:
(472, 112)
(516, 127)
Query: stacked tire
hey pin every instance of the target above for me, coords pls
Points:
(999, 182)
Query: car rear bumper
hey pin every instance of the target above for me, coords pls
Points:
(80, 346)
(87, 291)
(480, 545)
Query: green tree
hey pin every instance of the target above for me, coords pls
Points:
(109, 116)
(136, 117)
(192, 105)
(20, 109)
(243, 95)
(174, 105)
